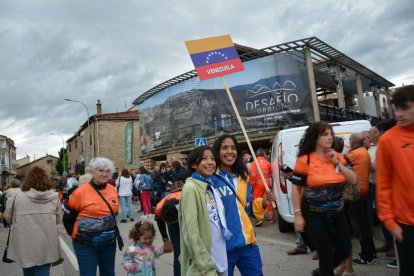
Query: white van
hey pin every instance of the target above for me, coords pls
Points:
(284, 151)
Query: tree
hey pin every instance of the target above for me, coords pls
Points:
(59, 166)
(80, 168)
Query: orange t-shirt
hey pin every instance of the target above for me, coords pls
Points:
(320, 172)
(395, 177)
(90, 205)
(361, 165)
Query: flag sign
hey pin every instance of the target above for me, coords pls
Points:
(214, 56)
(200, 142)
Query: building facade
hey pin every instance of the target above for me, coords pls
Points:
(111, 135)
(48, 163)
(23, 161)
(8, 160)
(282, 86)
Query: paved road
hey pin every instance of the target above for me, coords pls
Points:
(273, 247)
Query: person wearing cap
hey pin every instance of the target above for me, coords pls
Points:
(15, 188)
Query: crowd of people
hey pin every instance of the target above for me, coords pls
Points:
(206, 212)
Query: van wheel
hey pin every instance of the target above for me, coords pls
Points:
(283, 225)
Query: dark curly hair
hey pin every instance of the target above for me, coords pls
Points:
(176, 165)
(308, 142)
(338, 144)
(238, 166)
(38, 179)
(169, 212)
(195, 157)
(139, 228)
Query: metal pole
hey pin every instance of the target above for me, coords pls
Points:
(89, 136)
(63, 153)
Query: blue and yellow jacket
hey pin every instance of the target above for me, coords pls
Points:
(238, 221)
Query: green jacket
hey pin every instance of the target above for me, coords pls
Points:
(195, 230)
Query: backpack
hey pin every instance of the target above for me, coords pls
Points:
(351, 191)
(135, 191)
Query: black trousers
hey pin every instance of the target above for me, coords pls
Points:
(405, 251)
(329, 234)
(359, 210)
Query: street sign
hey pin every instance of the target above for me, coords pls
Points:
(200, 142)
(214, 56)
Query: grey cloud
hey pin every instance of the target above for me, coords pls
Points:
(113, 51)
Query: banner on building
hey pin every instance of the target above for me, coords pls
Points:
(271, 92)
(129, 143)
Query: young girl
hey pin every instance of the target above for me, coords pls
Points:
(203, 228)
(139, 257)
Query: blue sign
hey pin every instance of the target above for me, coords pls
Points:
(200, 142)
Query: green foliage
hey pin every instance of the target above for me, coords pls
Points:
(59, 166)
(80, 168)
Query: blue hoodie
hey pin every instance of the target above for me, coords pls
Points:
(238, 222)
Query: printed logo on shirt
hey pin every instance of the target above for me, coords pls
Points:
(225, 191)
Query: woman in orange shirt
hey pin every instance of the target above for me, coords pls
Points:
(319, 177)
(95, 229)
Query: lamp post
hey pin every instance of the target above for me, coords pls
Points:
(63, 153)
(89, 136)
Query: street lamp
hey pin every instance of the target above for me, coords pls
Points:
(87, 111)
(63, 153)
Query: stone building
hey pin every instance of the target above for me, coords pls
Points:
(8, 160)
(48, 163)
(111, 135)
(23, 161)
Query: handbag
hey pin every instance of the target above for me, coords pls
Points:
(69, 217)
(351, 192)
(118, 235)
(5, 258)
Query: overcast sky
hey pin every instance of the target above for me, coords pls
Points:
(116, 50)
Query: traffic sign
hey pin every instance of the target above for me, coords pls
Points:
(200, 142)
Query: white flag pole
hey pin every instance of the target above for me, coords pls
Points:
(245, 135)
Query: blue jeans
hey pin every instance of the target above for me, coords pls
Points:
(89, 257)
(247, 259)
(40, 270)
(174, 233)
(126, 202)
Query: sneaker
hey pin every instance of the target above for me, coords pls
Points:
(131, 219)
(393, 264)
(361, 261)
(259, 222)
(123, 221)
